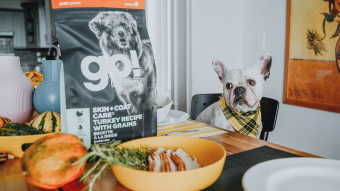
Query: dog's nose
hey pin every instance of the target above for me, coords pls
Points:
(240, 91)
(121, 34)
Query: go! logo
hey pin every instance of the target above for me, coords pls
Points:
(112, 67)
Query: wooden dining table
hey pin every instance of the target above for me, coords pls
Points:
(11, 177)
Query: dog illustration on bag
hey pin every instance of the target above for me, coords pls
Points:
(132, 65)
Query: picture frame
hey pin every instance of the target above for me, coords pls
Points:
(312, 58)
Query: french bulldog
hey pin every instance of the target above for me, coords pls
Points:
(242, 91)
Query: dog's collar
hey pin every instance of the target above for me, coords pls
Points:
(247, 123)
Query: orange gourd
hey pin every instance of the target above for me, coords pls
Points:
(3, 121)
(49, 162)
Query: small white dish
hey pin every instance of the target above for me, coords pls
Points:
(293, 174)
(174, 117)
(164, 104)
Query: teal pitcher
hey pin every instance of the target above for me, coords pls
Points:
(46, 96)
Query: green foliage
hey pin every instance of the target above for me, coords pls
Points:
(105, 156)
(16, 129)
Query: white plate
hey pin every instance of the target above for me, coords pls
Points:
(174, 117)
(293, 174)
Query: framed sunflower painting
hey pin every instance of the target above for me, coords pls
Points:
(312, 69)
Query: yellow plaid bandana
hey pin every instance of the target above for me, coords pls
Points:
(245, 123)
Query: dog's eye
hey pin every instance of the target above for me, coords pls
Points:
(251, 82)
(229, 86)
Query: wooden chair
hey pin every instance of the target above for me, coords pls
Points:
(269, 110)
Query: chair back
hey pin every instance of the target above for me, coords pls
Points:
(269, 110)
(200, 102)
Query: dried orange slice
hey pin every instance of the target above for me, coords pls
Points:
(36, 78)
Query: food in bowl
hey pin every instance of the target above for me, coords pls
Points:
(167, 160)
(129, 163)
(5, 156)
(141, 158)
(210, 155)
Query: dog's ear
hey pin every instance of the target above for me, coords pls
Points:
(133, 27)
(97, 25)
(265, 65)
(131, 21)
(219, 69)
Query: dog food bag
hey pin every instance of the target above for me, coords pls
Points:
(109, 75)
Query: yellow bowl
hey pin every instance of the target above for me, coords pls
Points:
(208, 153)
(14, 144)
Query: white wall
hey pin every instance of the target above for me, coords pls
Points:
(306, 129)
(238, 32)
(215, 33)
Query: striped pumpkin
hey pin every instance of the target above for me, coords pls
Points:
(3, 121)
(48, 122)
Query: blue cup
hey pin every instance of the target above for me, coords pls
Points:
(47, 95)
